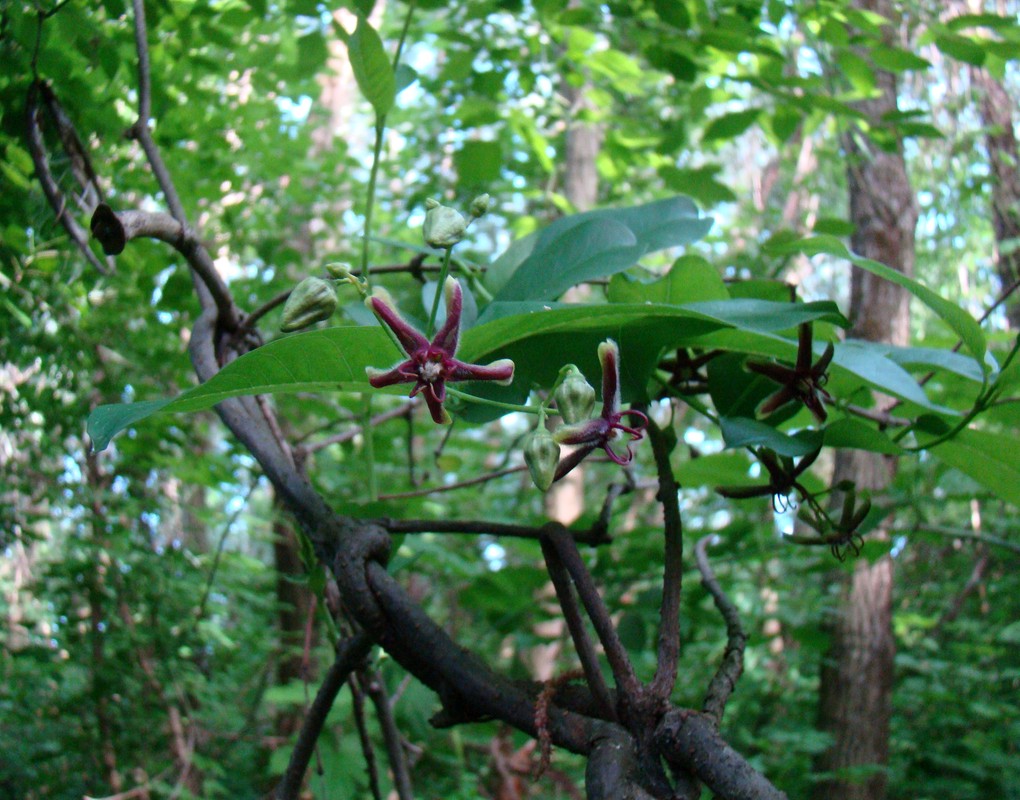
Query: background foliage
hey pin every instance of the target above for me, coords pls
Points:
(141, 583)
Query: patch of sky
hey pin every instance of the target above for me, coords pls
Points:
(495, 556)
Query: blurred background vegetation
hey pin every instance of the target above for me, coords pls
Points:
(161, 629)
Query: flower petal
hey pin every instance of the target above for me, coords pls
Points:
(571, 460)
(502, 371)
(621, 460)
(382, 305)
(448, 336)
(592, 432)
(609, 357)
(404, 372)
(439, 414)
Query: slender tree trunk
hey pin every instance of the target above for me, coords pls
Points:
(1004, 158)
(565, 500)
(856, 681)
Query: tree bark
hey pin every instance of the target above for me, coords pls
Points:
(856, 679)
(996, 109)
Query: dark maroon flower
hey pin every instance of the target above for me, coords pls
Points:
(603, 429)
(804, 382)
(431, 364)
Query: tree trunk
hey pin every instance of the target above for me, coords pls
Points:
(1000, 141)
(564, 501)
(856, 680)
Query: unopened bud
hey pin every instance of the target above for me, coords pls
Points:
(480, 205)
(339, 270)
(542, 455)
(575, 397)
(312, 300)
(443, 227)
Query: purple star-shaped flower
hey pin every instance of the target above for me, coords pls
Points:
(431, 364)
(603, 429)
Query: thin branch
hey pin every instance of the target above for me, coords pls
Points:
(391, 735)
(190, 247)
(593, 536)
(994, 541)
(673, 561)
(55, 198)
(140, 130)
(248, 323)
(350, 433)
(732, 667)
(200, 614)
(599, 531)
(575, 624)
(114, 230)
(367, 750)
(488, 476)
(875, 415)
(349, 653)
(977, 575)
(623, 672)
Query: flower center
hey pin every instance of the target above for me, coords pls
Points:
(431, 371)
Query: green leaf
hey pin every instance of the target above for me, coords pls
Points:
(895, 59)
(854, 434)
(539, 338)
(717, 469)
(371, 67)
(595, 244)
(729, 126)
(326, 360)
(478, 163)
(965, 326)
(962, 48)
(690, 280)
(743, 432)
(857, 71)
(700, 183)
(991, 459)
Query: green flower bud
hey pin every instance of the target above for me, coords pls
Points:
(443, 226)
(542, 455)
(312, 300)
(575, 397)
(339, 270)
(480, 205)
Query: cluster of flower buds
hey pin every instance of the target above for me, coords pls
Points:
(575, 400)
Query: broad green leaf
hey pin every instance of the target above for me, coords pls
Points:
(965, 326)
(326, 360)
(691, 279)
(991, 459)
(857, 435)
(700, 183)
(478, 162)
(871, 363)
(962, 48)
(895, 59)
(595, 244)
(737, 392)
(540, 339)
(857, 71)
(729, 126)
(716, 469)
(371, 67)
(743, 432)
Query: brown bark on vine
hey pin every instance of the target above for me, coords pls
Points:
(856, 681)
